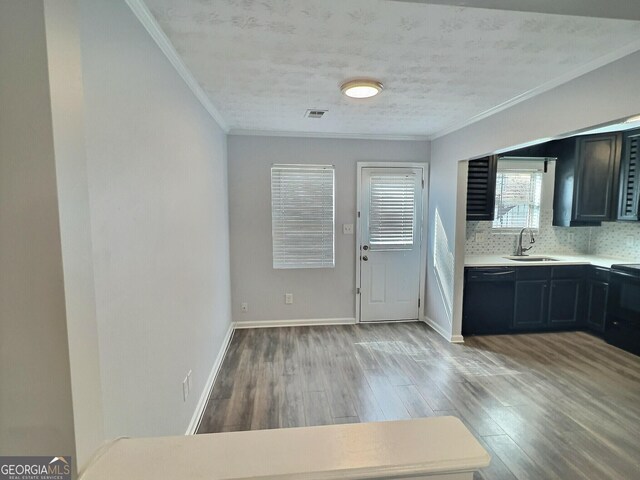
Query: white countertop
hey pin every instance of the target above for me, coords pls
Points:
(434, 446)
(500, 261)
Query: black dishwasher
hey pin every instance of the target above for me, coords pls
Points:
(488, 300)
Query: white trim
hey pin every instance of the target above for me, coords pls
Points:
(206, 392)
(425, 221)
(347, 136)
(305, 322)
(442, 332)
(147, 20)
(545, 87)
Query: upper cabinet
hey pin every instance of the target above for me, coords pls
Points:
(481, 188)
(630, 177)
(587, 176)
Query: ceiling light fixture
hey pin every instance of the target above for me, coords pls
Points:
(633, 119)
(361, 88)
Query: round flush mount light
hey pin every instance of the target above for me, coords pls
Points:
(361, 88)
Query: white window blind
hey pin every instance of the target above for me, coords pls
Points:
(518, 197)
(392, 210)
(302, 215)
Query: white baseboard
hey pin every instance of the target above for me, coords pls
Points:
(206, 392)
(442, 332)
(295, 323)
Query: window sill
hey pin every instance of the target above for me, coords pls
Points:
(511, 231)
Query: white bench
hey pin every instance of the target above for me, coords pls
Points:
(432, 448)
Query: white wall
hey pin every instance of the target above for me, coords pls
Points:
(67, 106)
(606, 94)
(36, 416)
(318, 293)
(157, 175)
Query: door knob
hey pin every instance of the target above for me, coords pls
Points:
(365, 258)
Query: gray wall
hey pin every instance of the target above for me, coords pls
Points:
(318, 293)
(606, 94)
(36, 416)
(157, 175)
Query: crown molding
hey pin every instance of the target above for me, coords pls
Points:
(345, 136)
(142, 13)
(545, 87)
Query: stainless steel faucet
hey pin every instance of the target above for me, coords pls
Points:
(520, 249)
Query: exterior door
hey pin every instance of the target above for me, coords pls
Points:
(391, 228)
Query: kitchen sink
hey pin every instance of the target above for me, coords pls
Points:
(527, 258)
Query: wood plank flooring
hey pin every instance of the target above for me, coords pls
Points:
(546, 406)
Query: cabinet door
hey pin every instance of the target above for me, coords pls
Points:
(530, 312)
(481, 188)
(596, 177)
(598, 294)
(630, 177)
(565, 305)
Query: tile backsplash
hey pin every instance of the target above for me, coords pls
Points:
(612, 239)
(616, 239)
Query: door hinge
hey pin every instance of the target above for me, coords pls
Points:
(418, 303)
(358, 214)
(357, 290)
(423, 183)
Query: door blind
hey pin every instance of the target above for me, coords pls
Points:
(302, 214)
(392, 210)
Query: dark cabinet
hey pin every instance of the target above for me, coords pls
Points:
(564, 303)
(598, 294)
(488, 300)
(597, 297)
(587, 179)
(481, 188)
(629, 196)
(530, 311)
(524, 299)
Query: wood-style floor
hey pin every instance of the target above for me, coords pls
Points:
(545, 406)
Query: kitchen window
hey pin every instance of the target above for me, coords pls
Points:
(302, 216)
(518, 196)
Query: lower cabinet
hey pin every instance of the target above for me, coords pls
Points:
(530, 311)
(529, 299)
(597, 297)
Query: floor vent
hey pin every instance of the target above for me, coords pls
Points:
(315, 113)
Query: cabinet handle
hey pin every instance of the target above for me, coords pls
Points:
(493, 274)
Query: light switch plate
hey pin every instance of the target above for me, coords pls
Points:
(347, 228)
(288, 298)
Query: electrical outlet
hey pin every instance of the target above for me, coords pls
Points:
(244, 307)
(347, 228)
(571, 237)
(288, 298)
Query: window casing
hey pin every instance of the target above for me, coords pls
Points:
(518, 198)
(302, 216)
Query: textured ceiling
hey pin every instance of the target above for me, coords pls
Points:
(264, 63)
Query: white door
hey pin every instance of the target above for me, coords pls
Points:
(390, 237)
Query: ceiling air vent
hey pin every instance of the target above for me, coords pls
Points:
(315, 113)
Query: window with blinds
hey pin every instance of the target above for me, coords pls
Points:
(302, 216)
(518, 197)
(392, 210)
